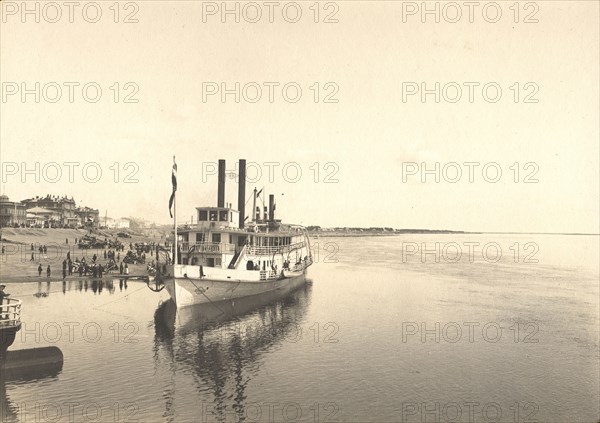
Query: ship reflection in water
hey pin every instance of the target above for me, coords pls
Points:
(35, 364)
(221, 344)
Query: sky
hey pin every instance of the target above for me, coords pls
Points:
(359, 130)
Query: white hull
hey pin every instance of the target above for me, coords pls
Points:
(189, 291)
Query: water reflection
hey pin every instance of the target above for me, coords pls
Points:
(97, 286)
(222, 345)
(28, 365)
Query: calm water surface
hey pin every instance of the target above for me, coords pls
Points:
(379, 333)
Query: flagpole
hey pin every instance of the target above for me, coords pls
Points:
(175, 220)
(254, 206)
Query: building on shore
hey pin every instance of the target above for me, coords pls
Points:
(88, 217)
(111, 223)
(12, 213)
(62, 208)
(58, 212)
(38, 217)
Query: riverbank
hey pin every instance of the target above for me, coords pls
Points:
(16, 264)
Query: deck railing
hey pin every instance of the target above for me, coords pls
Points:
(10, 312)
(207, 247)
(275, 249)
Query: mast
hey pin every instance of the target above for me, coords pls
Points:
(254, 206)
(175, 209)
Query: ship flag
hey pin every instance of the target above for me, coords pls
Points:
(174, 181)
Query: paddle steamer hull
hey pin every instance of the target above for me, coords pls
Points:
(190, 290)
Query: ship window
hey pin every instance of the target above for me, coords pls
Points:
(203, 216)
(223, 215)
(213, 215)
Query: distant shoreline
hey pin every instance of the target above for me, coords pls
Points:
(340, 234)
(365, 234)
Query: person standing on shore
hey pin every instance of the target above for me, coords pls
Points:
(32, 259)
(126, 269)
(48, 271)
(40, 270)
(121, 268)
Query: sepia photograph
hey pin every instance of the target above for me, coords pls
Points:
(310, 211)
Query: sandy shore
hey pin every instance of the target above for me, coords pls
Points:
(16, 264)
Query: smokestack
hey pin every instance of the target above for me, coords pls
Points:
(271, 207)
(221, 186)
(242, 192)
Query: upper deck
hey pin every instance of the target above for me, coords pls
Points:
(217, 217)
(225, 237)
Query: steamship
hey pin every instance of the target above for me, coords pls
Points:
(228, 255)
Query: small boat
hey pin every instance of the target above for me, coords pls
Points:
(228, 255)
(291, 273)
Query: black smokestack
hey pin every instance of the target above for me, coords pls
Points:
(271, 207)
(221, 186)
(242, 193)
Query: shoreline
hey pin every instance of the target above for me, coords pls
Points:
(16, 265)
(40, 279)
(375, 234)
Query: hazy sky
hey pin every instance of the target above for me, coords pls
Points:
(370, 57)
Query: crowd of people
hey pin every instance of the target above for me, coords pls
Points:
(94, 267)
(114, 261)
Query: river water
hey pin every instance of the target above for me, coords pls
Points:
(409, 328)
